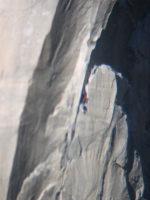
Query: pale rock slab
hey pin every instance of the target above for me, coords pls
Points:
(23, 28)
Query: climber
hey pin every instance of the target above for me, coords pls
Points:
(84, 100)
(84, 108)
(84, 96)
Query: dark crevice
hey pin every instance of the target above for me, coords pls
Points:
(113, 139)
(57, 196)
(80, 153)
(64, 156)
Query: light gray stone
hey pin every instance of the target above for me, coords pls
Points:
(49, 148)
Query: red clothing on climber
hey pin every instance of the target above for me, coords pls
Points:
(84, 96)
(85, 99)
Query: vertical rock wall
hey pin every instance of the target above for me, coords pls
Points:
(53, 96)
(62, 153)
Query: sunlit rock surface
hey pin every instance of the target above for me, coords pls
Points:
(50, 149)
(23, 27)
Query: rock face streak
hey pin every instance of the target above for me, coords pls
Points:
(54, 50)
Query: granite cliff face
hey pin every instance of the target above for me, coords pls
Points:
(50, 52)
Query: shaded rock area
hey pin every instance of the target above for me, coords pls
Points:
(129, 53)
(57, 151)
